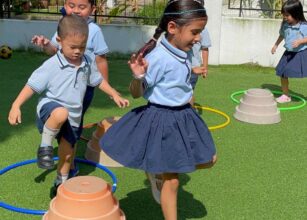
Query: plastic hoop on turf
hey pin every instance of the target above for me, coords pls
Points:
(232, 96)
(42, 212)
(211, 128)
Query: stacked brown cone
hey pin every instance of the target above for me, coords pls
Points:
(86, 198)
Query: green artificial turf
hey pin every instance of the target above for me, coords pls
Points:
(260, 174)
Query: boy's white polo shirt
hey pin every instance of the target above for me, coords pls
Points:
(59, 81)
(194, 54)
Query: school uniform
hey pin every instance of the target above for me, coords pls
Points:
(293, 62)
(61, 84)
(194, 55)
(95, 45)
(166, 135)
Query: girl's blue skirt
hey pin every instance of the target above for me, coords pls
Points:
(160, 139)
(293, 65)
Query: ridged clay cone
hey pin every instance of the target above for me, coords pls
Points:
(86, 198)
(93, 151)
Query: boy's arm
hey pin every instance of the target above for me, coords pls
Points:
(15, 113)
(102, 65)
(279, 39)
(105, 87)
(205, 57)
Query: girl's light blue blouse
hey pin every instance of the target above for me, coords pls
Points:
(167, 81)
(292, 33)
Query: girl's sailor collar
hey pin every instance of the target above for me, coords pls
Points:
(64, 63)
(178, 54)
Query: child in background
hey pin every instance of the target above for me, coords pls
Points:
(166, 136)
(199, 56)
(293, 63)
(96, 47)
(62, 82)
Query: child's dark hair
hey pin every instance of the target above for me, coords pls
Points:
(72, 25)
(295, 9)
(179, 11)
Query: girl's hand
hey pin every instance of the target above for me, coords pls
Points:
(40, 40)
(274, 49)
(120, 102)
(296, 43)
(14, 116)
(138, 65)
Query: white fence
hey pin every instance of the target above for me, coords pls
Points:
(234, 40)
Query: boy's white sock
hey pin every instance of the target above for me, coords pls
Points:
(48, 135)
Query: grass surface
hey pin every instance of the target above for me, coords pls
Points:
(261, 169)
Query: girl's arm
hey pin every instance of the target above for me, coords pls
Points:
(298, 42)
(279, 39)
(15, 113)
(138, 66)
(105, 87)
(136, 88)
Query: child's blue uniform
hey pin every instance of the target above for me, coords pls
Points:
(194, 54)
(61, 84)
(95, 45)
(166, 135)
(293, 62)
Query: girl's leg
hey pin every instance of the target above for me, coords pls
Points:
(169, 195)
(285, 90)
(285, 85)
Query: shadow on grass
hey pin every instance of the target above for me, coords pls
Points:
(137, 204)
(273, 87)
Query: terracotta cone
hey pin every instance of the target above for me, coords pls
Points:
(93, 151)
(86, 198)
(258, 106)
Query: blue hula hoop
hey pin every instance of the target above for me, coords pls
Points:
(42, 212)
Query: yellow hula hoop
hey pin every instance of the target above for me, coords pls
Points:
(211, 128)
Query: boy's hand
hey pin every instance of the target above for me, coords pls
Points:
(120, 102)
(200, 70)
(138, 65)
(40, 41)
(14, 116)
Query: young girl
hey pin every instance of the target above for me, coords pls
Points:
(166, 136)
(294, 31)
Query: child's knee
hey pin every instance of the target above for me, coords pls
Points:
(172, 180)
(59, 114)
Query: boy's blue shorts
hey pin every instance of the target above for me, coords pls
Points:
(70, 133)
(193, 80)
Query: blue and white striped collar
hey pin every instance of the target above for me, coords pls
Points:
(64, 63)
(175, 52)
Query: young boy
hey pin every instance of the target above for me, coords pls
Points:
(62, 82)
(96, 48)
(199, 58)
